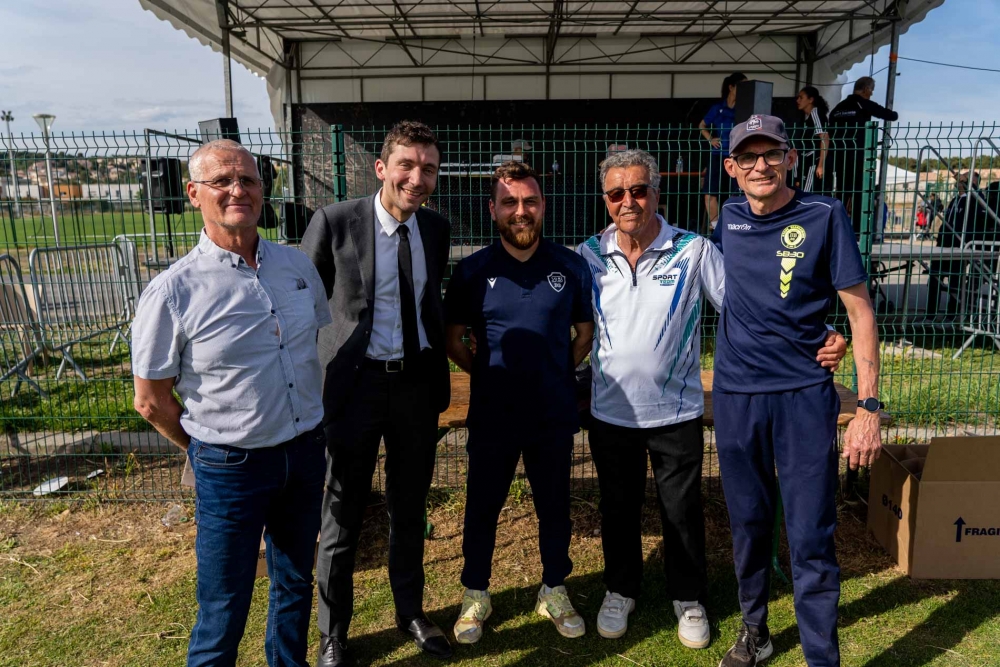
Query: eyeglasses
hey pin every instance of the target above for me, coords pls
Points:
(637, 191)
(246, 182)
(772, 158)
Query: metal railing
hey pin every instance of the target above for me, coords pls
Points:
(120, 224)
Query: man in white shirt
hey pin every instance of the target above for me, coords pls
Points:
(646, 394)
(231, 328)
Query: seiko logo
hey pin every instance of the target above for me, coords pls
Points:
(789, 253)
(740, 228)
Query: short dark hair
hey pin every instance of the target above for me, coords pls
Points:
(511, 171)
(731, 80)
(408, 133)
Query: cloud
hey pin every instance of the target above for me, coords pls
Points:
(18, 70)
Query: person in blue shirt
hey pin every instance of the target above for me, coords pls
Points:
(520, 296)
(714, 129)
(788, 255)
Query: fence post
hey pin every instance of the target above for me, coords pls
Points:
(869, 200)
(869, 196)
(339, 163)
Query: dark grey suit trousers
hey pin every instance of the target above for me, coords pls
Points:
(398, 407)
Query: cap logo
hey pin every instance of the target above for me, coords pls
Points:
(754, 123)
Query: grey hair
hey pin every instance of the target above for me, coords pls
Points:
(220, 145)
(632, 158)
(863, 84)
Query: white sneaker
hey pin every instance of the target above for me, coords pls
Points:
(692, 624)
(476, 608)
(555, 605)
(612, 620)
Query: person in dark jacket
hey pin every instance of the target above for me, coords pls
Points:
(950, 236)
(814, 142)
(847, 121)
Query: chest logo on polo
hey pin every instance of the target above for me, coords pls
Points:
(667, 279)
(492, 282)
(793, 236)
(557, 281)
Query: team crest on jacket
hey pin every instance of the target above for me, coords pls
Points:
(557, 281)
(792, 236)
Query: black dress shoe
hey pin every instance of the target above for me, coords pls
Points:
(332, 653)
(428, 637)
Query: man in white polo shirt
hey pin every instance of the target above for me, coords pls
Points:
(646, 395)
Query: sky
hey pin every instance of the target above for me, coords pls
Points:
(107, 64)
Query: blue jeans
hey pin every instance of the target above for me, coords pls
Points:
(241, 492)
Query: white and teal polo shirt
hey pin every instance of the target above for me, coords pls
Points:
(647, 348)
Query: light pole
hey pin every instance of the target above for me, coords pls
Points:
(45, 121)
(8, 117)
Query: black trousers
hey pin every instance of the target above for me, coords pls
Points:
(676, 452)
(399, 408)
(492, 464)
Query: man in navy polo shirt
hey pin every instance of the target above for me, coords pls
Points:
(520, 296)
(787, 255)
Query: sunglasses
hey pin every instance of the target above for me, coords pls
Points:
(772, 158)
(637, 191)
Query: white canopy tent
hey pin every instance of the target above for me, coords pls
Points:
(897, 178)
(316, 51)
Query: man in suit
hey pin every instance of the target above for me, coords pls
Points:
(382, 259)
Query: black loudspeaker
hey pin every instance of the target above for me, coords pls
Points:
(219, 128)
(295, 218)
(267, 172)
(167, 185)
(753, 97)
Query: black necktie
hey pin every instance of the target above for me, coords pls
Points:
(407, 300)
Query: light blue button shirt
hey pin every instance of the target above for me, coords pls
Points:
(387, 318)
(241, 343)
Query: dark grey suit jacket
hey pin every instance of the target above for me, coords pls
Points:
(340, 241)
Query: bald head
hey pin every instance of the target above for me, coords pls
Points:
(195, 162)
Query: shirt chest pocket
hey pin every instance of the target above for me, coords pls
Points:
(298, 309)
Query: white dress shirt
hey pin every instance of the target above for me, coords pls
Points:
(387, 329)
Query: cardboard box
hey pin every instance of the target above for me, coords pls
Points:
(936, 508)
(262, 558)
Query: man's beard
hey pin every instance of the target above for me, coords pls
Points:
(524, 239)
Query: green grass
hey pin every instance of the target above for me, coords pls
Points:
(924, 392)
(76, 227)
(88, 227)
(103, 403)
(126, 597)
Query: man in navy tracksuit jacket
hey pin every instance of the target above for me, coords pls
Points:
(788, 255)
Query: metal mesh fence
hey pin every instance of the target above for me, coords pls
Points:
(119, 210)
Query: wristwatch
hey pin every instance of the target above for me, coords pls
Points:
(871, 404)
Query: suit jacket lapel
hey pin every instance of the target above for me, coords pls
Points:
(363, 235)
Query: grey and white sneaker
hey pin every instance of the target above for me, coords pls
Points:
(612, 620)
(752, 647)
(692, 624)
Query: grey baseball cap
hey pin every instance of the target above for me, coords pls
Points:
(771, 127)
